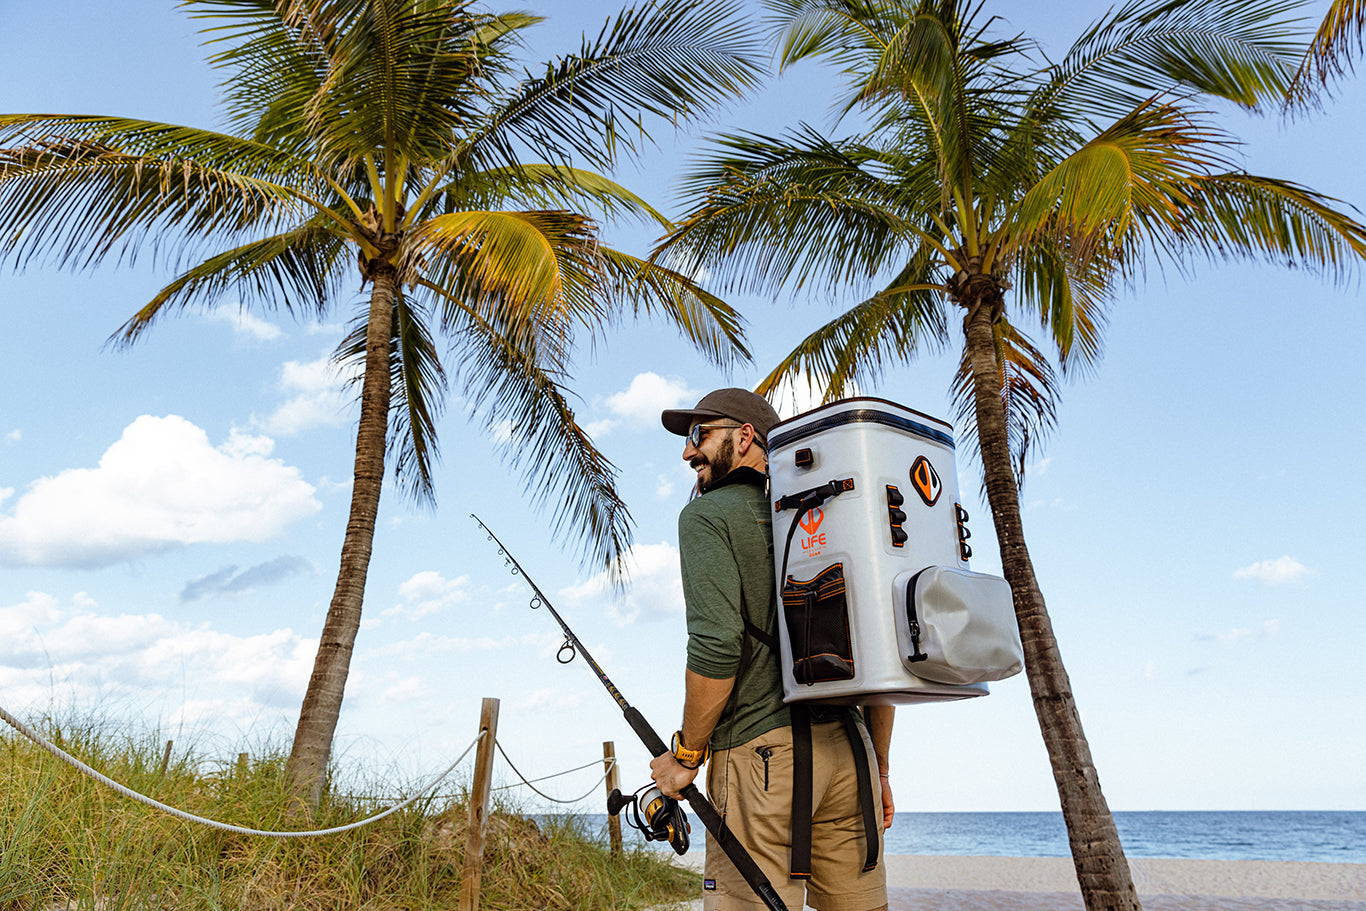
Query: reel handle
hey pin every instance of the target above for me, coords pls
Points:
(615, 801)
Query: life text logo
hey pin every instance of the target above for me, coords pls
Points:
(814, 542)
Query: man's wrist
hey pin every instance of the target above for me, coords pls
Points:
(688, 759)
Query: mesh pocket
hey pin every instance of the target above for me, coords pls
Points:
(817, 617)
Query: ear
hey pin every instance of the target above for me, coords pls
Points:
(744, 438)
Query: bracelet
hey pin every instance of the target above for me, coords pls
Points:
(884, 774)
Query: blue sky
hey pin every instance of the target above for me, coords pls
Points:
(170, 516)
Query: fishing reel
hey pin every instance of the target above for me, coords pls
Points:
(657, 817)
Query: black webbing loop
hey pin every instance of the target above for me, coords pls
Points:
(865, 789)
(815, 496)
(800, 866)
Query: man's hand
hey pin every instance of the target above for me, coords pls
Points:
(671, 777)
(888, 808)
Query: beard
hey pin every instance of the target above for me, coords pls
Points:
(718, 466)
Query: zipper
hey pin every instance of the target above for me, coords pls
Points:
(764, 754)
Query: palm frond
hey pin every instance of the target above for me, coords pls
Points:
(1237, 215)
(342, 79)
(906, 319)
(418, 383)
(670, 59)
(1244, 51)
(546, 186)
(1070, 296)
(1329, 58)
(712, 326)
(1029, 394)
(526, 405)
(522, 271)
(296, 270)
(81, 187)
(765, 212)
(1136, 173)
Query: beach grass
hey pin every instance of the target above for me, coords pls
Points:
(68, 842)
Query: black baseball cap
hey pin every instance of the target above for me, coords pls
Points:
(737, 404)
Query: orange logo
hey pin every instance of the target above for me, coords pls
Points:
(812, 521)
(926, 481)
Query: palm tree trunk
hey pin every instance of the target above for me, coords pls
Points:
(307, 766)
(1102, 869)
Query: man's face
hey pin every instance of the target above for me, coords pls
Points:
(714, 456)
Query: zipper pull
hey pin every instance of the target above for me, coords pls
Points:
(764, 754)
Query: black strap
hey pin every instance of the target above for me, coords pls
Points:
(800, 867)
(865, 789)
(802, 774)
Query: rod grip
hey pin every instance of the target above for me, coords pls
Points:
(646, 733)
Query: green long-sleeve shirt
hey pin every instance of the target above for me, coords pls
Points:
(725, 541)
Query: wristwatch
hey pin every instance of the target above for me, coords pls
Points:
(688, 759)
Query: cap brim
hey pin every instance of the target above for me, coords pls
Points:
(679, 421)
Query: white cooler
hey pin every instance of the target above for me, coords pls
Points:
(886, 486)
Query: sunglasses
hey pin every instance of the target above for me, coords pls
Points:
(695, 434)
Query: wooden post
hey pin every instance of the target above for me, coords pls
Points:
(242, 764)
(165, 759)
(479, 797)
(609, 759)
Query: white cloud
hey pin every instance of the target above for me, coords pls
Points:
(100, 659)
(596, 429)
(654, 588)
(244, 323)
(426, 593)
(426, 644)
(405, 690)
(318, 397)
(1232, 637)
(649, 394)
(1281, 571)
(14, 436)
(159, 486)
(664, 486)
(548, 699)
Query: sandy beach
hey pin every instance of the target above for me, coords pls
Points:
(934, 883)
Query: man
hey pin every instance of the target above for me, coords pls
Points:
(733, 699)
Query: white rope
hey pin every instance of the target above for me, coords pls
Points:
(190, 817)
(611, 763)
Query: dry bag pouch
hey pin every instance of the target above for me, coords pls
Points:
(817, 617)
(959, 627)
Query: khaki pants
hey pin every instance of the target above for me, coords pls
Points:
(754, 796)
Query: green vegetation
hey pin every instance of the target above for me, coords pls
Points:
(67, 842)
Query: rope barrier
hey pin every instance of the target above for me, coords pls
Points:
(89, 772)
(528, 782)
(86, 770)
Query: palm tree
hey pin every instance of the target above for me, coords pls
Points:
(981, 173)
(396, 139)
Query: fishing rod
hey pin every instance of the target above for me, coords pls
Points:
(695, 798)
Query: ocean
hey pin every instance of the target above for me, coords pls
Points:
(1293, 835)
(1329, 837)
